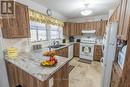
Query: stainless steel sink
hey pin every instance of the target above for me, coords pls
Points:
(56, 46)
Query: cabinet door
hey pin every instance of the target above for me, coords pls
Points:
(78, 29)
(98, 29)
(66, 29)
(122, 16)
(103, 27)
(65, 52)
(72, 29)
(126, 26)
(76, 49)
(97, 52)
(62, 52)
(17, 27)
(86, 25)
(12, 74)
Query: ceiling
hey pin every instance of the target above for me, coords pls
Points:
(72, 8)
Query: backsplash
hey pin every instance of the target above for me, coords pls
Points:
(21, 44)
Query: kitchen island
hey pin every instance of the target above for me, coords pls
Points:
(26, 71)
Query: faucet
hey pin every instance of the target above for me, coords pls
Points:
(57, 43)
(54, 42)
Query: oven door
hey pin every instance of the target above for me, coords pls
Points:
(86, 51)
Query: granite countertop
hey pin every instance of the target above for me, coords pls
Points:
(30, 63)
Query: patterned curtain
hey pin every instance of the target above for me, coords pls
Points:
(42, 18)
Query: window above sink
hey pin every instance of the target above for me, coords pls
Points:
(42, 32)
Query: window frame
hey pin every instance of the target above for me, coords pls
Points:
(55, 29)
(37, 27)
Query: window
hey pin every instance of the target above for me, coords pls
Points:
(55, 32)
(38, 32)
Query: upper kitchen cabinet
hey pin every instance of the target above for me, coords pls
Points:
(116, 15)
(100, 28)
(124, 34)
(124, 20)
(66, 29)
(74, 29)
(17, 27)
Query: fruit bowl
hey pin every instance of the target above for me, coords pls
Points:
(49, 63)
(50, 53)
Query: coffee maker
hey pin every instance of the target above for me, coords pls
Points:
(71, 39)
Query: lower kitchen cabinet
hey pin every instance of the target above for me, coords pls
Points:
(116, 75)
(62, 52)
(98, 52)
(76, 49)
(20, 78)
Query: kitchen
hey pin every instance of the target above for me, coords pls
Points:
(39, 47)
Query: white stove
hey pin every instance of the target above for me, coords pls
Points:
(87, 48)
(88, 40)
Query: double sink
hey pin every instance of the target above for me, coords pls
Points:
(56, 46)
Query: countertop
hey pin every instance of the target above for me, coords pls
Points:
(66, 45)
(30, 63)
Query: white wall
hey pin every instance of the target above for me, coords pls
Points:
(86, 19)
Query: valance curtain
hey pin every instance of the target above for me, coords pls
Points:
(42, 18)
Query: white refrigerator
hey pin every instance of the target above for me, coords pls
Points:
(3, 72)
(109, 43)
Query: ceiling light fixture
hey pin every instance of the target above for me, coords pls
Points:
(86, 12)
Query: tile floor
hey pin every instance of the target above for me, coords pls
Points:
(85, 75)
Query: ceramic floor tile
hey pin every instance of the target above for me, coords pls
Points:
(85, 75)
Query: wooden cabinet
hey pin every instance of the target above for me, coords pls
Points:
(17, 27)
(116, 75)
(97, 52)
(74, 29)
(124, 20)
(116, 14)
(62, 52)
(76, 49)
(18, 76)
(100, 28)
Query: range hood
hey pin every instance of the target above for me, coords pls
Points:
(88, 31)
